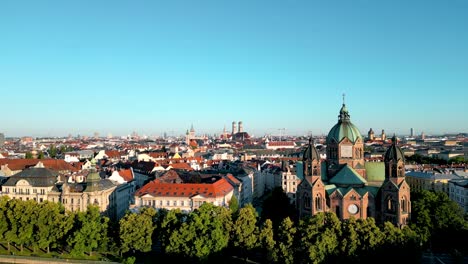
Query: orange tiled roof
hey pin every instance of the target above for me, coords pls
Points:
(181, 166)
(281, 143)
(233, 179)
(114, 154)
(161, 189)
(157, 154)
(127, 175)
(53, 164)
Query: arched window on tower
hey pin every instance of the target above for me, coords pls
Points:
(390, 204)
(307, 201)
(318, 202)
(404, 204)
(400, 171)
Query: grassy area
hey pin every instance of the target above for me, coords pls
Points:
(29, 252)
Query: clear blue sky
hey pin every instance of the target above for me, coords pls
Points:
(153, 66)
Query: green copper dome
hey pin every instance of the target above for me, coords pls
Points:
(93, 176)
(344, 128)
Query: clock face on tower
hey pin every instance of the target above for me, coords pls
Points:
(353, 209)
(346, 151)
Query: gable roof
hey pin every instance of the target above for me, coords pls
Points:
(127, 175)
(158, 188)
(375, 171)
(348, 176)
(53, 164)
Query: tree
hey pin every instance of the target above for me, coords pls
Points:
(318, 238)
(53, 151)
(285, 242)
(89, 231)
(22, 220)
(166, 222)
(4, 221)
(205, 232)
(369, 234)
(266, 241)
(40, 155)
(234, 205)
(439, 220)
(52, 225)
(136, 231)
(29, 155)
(245, 232)
(349, 240)
(277, 207)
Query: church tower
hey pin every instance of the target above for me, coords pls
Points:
(371, 135)
(311, 191)
(345, 145)
(395, 192)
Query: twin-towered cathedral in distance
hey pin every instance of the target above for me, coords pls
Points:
(347, 185)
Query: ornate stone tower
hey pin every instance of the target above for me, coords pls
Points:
(311, 192)
(371, 134)
(233, 128)
(241, 127)
(345, 145)
(384, 136)
(395, 192)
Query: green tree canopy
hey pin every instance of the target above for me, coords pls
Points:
(439, 220)
(205, 232)
(89, 231)
(52, 225)
(136, 230)
(245, 231)
(285, 252)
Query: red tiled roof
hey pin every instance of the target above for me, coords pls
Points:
(233, 179)
(158, 154)
(170, 177)
(281, 143)
(127, 175)
(181, 166)
(161, 189)
(53, 164)
(114, 154)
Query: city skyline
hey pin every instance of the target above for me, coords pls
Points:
(108, 67)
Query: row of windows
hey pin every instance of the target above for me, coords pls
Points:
(24, 191)
(155, 203)
(27, 199)
(161, 203)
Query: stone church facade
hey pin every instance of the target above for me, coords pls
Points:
(346, 185)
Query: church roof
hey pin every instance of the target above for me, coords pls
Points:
(311, 153)
(375, 171)
(360, 190)
(348, 176)
(344, 128)
(394, 152)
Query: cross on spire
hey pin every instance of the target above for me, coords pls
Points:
(344, 98)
